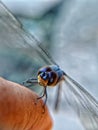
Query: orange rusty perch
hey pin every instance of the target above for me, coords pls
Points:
(19, 110)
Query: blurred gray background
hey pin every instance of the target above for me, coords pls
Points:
(68, 29)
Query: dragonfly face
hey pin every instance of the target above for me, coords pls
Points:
(50, 75)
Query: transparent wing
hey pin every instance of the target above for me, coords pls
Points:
(12, 35)
(20, 52)
(83, 104)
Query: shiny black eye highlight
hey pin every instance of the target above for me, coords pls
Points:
(44, 75)
(52, 77)
(51, 80)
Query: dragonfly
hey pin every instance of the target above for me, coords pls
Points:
(77, 97)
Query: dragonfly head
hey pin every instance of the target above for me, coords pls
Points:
(47, 76)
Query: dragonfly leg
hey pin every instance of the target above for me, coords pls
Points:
(31, 80)
(44, 94)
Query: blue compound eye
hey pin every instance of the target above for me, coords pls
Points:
(44, 75)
